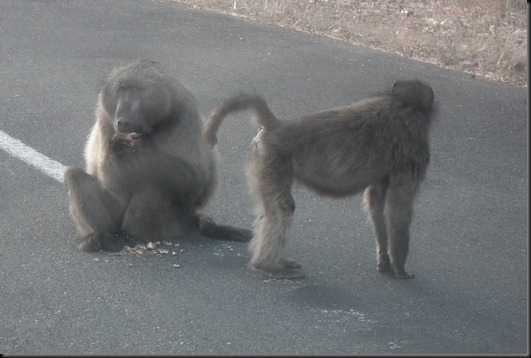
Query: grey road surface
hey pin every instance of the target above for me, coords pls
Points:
(469, 247)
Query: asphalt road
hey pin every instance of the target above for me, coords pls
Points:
(469, 247)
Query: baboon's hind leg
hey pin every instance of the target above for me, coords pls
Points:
(96, 213)
(374, 198)
(271, 184)
(398, 214)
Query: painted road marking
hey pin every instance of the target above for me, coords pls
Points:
(30, 156)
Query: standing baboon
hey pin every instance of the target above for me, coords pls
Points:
(379, 145)
(149, 169)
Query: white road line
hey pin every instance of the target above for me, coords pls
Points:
(30, 156)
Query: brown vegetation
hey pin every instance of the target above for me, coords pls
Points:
(487, 38)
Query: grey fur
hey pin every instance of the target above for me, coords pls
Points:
(149, 170)
(379, 146)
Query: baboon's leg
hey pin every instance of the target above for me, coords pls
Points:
(96, 213)
(152, 215)
(398, 214)
(270, 182)
(374, 204)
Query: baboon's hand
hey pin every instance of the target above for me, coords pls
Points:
(126, 143)
(121, 145)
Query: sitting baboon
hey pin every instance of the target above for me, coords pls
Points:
(379, 145)
(149, 170)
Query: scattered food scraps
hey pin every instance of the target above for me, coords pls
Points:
(149, 248)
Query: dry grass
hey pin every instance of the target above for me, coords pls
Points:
(487, 38)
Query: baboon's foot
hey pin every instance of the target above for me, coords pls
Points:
(400, 276)
(289, 263)
(403, 275)
(384, 265)
(289, 270)
(105, 241)
(399, 272)
(92, 242)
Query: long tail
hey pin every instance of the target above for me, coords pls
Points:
(264, 118)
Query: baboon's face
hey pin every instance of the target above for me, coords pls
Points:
(135, 108)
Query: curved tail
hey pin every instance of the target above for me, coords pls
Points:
(264, 116)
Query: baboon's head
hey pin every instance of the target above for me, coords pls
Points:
(136, 99)
(414, 93)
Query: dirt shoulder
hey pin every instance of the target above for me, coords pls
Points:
(486, 38)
